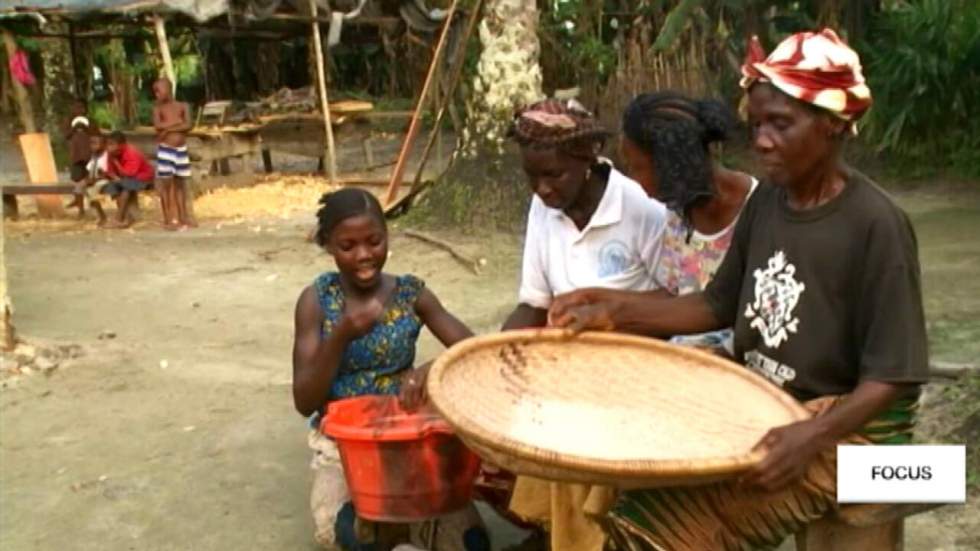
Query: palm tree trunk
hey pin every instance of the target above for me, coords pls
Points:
(484, 185)
(508, 73)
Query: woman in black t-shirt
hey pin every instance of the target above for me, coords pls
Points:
(822, 286)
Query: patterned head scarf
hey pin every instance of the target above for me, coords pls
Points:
(564, 124)
(814, 67)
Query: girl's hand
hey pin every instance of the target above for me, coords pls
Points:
(357, 321)
(413, 393)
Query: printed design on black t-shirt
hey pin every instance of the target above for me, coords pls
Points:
(614, 258)
(776, 294)
(769, 368)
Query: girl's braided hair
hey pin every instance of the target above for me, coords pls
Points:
(337, 206)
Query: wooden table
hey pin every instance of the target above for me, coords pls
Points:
(208, 145)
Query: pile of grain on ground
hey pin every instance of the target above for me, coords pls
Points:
(274, 196)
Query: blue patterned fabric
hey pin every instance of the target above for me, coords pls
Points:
(371, 363)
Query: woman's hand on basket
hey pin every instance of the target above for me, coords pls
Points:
(583, 309)
(790, 451)
(413, 393)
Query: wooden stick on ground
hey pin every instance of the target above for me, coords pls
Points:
(413, 126)
(455, 72)
(470, 263)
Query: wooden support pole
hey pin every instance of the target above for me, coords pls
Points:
(437, 127)
(455, 73)
(8, 336)
(24, 108)
(413, 127)
(267, 160)
(168, 63)
(321, 80)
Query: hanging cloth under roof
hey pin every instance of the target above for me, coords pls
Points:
(420, 17)
(337, 19)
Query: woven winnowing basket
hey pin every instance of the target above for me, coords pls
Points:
(606, 408)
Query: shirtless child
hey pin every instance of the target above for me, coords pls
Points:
(172, 122)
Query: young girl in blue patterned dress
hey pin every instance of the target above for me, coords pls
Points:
(356, 331)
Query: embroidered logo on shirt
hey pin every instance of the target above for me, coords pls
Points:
(776, 293)
(613, 258)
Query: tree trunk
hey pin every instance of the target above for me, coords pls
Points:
(122, 81)
(8, 104)
(58, 81)
(86, 60)
(484, 186)
(589, 25)
(508, 73)
(24, 108)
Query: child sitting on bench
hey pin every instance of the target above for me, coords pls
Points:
(129, 173)
(97, 175)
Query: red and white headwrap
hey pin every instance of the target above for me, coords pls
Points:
(815, 67)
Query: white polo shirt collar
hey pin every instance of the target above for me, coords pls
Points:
(609, 211)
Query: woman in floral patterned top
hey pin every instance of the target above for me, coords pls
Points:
(356, 331)
(666, 148)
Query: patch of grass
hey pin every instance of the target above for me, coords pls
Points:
(962, 418)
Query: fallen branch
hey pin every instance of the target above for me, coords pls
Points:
(949, 370)
(469, 263)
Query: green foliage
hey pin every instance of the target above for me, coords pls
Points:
(923, 72)
(593, 52)
(144, 110)
(188, 69)
(677, 20)
(580, 38)
(104, 115)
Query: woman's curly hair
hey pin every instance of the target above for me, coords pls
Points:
(676, 131)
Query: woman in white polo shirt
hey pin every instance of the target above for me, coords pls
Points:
(588, 226)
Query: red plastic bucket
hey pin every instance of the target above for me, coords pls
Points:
(400, 466)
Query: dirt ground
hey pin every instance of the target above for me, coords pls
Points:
(171, 426)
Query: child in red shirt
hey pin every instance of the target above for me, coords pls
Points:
(129, 173)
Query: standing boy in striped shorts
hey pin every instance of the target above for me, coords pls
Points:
(172, 122)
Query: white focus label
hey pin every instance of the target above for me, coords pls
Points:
(901, 474)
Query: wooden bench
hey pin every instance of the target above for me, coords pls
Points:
(10, 194)
(871, 527)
